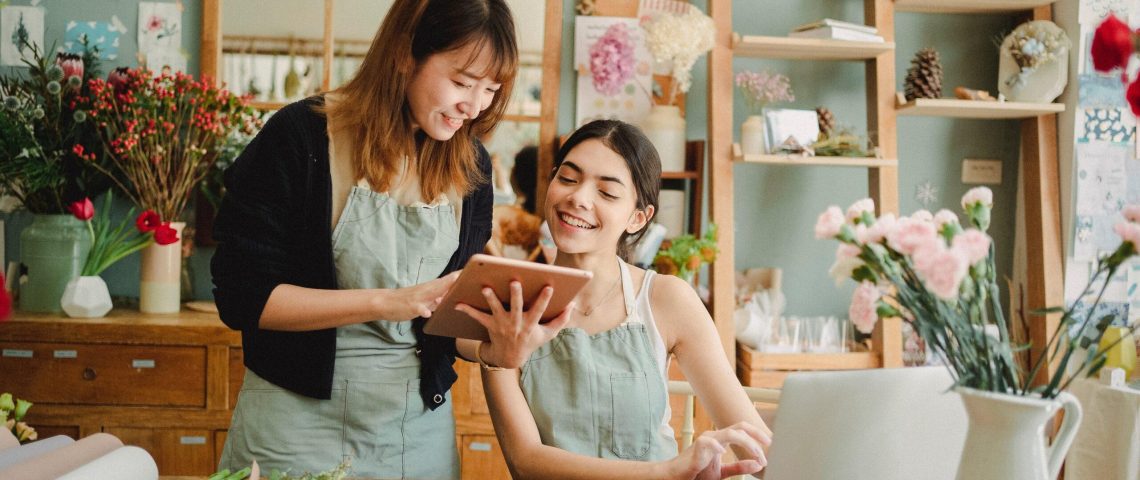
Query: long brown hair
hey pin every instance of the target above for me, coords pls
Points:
(372, 109)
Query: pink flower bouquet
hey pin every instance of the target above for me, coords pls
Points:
(939, 276)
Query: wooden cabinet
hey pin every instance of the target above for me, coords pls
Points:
(166, 383)
(481, 458)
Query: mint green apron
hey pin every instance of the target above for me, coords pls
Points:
(375, 418)
(600, 395)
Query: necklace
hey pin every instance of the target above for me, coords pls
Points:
(613, 288)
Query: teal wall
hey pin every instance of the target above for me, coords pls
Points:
(776, 206)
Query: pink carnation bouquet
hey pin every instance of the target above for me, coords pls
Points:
(938, 275)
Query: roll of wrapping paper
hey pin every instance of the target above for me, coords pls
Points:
(7, 440)
(55, 463)
(24, 452)
(126, 463)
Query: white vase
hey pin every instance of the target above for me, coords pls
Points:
(1041, 85)
(752, 136)
(160, 276)
(666, 130)
(1006, 437)
(86, 297)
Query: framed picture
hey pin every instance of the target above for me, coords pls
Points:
(787, 129)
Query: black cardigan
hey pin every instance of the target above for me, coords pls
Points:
(273, 228)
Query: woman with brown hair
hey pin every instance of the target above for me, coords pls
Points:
(340, 226)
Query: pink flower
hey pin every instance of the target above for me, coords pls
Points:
(855, 211)
(153, 23)
(943, 272)
(846, 261)
(945, 216)
(1131, 213)
(926, 249)
(882, 227)
(611, 60)
(973, 244)
(1129, 232)
(864, 303)
(922, 216)
(71, 64)
(909, 234)
(976, 195)
(829, 223)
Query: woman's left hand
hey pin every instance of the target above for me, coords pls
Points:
(516, 333)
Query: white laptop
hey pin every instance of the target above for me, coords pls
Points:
(880, 424)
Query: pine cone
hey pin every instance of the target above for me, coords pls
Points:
(924, 77)
(826, 122)
(585, 7)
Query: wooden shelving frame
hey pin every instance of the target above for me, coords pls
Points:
(790, 48)
(864, 162)
(954, 108)
(968, 6)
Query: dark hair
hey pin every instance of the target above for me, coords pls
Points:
(373, 109)
(640, 156)
(524, 176)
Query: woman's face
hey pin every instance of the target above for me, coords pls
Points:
(592, 201)
(446, 92)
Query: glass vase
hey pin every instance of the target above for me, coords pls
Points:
(52, 249)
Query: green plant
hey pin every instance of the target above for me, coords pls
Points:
(12, 414)
(337, 473)
(684, 255)
(110, 244)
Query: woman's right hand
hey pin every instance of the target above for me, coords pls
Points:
(515, 332)
(403, 304)
(702, 460)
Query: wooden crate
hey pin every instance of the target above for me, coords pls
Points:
(768, 370)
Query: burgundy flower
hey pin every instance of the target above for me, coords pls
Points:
(82, 209)
(1112, 44)
(148, 221)
(119, 79)
(1133, 96)
(71, 64)
(5, 301)
(165, 235)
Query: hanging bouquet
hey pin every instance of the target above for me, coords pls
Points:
(1033, 44)
(110, 244)
(43, 129)
(1113, 44)
(762, 88)
(678, 40)
(684, 255)
(163, 132)
(939, 276)
(12, 414)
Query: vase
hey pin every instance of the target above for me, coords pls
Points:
(86, 297)
(52, 249)
(1042, 84)
(666, 130)
(160, 276)
(1006, 436)
(752, 136)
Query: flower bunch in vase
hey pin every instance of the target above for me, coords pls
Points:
(938, 275)
(1112, 46)
(684, 255)
(760, 89)
(87, 295)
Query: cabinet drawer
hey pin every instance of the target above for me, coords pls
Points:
(481, 458)
(59, 373)
(176, 451)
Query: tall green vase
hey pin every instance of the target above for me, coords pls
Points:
(52, 249)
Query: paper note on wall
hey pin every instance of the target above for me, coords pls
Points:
(631, 101)
(21, 29)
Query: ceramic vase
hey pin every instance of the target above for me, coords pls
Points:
(160, 276)
(666, 130)
(86, 297)
(1006, 437)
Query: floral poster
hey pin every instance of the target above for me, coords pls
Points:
(614, 69)
(19, 28)
(105, 36)
(160, 26)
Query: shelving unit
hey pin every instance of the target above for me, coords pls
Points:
(738, 156)
(954, 108)
(806, 48)
(968, 6)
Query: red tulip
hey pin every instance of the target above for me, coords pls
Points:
(148, 221)
(119, 79)
(71, 64)
(82, 209)
(5, 301)
(1133, 96)
(1112, 44)
(164, 235)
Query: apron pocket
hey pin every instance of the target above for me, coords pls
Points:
(630, 417)
(282, 429)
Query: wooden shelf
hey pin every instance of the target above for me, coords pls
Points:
(680, 175)
(968, 6)
(950, 107)
(806, 48)
(806, 361)
(739, 156)
(260, 105)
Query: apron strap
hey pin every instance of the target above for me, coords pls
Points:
(626, 287)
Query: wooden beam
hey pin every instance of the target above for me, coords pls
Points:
(327, 61)
(881, 116)
(551, 80)
(722, 271)
(210, 47)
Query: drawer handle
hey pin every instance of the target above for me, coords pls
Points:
(142, 363)
(65, 354)
(89, 373)
(192, 440)
(480, 446)
(14, 353)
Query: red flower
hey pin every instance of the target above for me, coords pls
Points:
(1133, 96)
(71, 64)
(164, 235)
(148, 221)
(82, 209)
(1112, 44)
(5, 301)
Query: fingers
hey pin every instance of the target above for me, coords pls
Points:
(485, 320)
(493, 301)
(541, 303)
(755, 432)
(736, 436)
(743, 467)
(516, 298)
(554, 326)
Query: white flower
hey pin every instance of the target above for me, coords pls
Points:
(680, 39)
(829, 223)
(945, 216)
(855, 211)
(846, 261)
(975, 195)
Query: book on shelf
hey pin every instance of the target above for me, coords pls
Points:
(837, 33)
(829, 22)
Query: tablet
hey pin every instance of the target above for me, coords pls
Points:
(497, 273)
